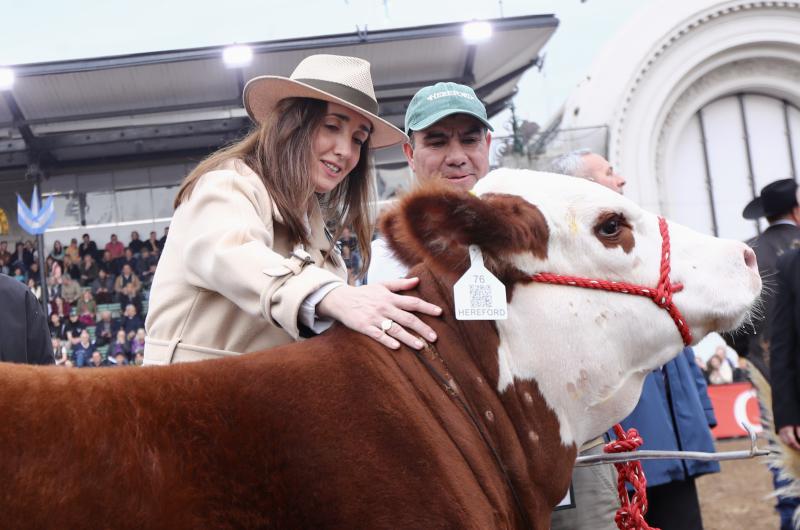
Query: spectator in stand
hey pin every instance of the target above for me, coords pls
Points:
(58, 328)
(35, 288)
(4, 268)
(153, 244)
(33, 271)
(130, 296)
(70, 290)
(718, 371)
(109, 264)
(97, 361)
(72, 268)
(105, 329)
(146, 266)
(19, 274)
(128, 259)
(103, 287)
(83, 350)
(72, 250)
(87, 247)
(74, 328)
(20, 258)
(58, 252)
(60, 352)
(127, 276)
(135, 244)
(60, 307)
(49, 262)
(137, 342)
(4, 253)
(131, 321)
(138, 359)
(89, 270)
(87, 308)
(53, 287)
(114, 247)
(120, 345)
(119, 360)
(163, 240)
(24, 335)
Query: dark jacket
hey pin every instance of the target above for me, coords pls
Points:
(785, 347)
(769, 246)
(674, 414)
(24, 333)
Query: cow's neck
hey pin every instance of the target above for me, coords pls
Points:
(518, 421)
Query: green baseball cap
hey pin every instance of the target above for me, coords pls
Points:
(432, 103)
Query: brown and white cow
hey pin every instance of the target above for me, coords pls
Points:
(478, 431)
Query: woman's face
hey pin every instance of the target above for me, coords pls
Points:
(336, 147)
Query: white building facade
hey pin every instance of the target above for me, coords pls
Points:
(700, 104)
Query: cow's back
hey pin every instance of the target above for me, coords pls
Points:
(328, 433)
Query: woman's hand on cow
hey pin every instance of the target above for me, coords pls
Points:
(366, 308)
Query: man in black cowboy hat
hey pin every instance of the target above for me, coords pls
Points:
(778, 203)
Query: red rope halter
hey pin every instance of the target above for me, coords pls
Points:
(630, 515)
(661, 295)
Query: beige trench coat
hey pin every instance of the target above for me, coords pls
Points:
(227, 281)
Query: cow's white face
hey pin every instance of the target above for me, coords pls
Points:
(588, 350)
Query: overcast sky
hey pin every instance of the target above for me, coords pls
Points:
(51, 30)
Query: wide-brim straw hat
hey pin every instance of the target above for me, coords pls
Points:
(335, 78)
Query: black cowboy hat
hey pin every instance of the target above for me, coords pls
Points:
(776, 198)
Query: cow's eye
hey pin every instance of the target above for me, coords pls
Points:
(610, 227)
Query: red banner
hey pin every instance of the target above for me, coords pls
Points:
(734, 404)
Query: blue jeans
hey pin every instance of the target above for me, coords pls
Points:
(785, 505)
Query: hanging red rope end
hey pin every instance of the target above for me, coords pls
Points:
(630, 515)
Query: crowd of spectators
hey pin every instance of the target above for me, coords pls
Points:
(97, 297)
(719, 369)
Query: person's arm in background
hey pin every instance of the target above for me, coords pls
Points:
(39, 345)
(784, 354)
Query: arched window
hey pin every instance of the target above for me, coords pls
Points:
(730, 149)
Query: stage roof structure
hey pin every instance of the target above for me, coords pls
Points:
(61, 116)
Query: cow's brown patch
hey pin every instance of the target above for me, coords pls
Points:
(613, 230)
(436, 224)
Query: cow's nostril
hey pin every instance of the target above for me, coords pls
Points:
(750, 258)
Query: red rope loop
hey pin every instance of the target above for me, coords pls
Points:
(630, 515)
(661, 294)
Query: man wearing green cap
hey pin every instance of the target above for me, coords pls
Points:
(450, 137)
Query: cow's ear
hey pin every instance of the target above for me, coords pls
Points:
(437, 224)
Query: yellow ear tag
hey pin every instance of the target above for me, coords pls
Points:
(471, 192)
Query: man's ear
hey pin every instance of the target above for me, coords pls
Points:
(409, 152)
(437, 223)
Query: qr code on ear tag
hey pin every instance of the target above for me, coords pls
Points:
(480, 296)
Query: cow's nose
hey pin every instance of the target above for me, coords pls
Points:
(750, 259)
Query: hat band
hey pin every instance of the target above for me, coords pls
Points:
(347, 93)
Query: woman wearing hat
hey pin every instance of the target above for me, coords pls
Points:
(249, 264)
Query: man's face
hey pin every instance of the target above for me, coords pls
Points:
(597, 169)
(454, 148)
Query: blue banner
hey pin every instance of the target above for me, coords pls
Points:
(37, 218)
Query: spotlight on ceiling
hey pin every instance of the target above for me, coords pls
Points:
(476, 31)
(6, 78)
(237, 55)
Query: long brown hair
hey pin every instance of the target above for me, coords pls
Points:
(279, 151)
